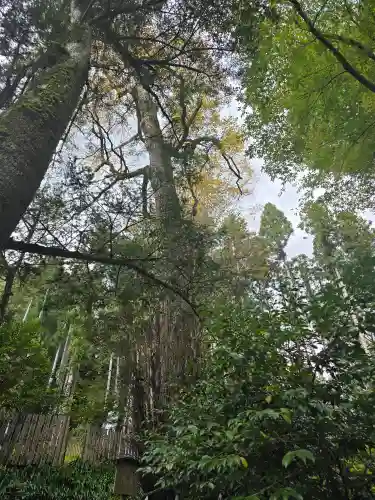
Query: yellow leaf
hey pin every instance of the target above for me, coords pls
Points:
(244, 462)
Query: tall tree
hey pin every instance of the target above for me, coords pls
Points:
(276, 229)
(32, 127)
(46, 112)
(285, 373)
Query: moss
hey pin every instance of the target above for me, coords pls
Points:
(34, 123)
(56, 85)
(50, 89)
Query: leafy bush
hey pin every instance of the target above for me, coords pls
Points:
(273, 417)
(75, 481)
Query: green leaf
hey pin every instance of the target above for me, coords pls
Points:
(303, 455)
(290, 492)
(193, 429)
(268, 413)
(244, 462)
(286, 414)
(285, 494)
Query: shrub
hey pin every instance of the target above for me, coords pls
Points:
(74, 481)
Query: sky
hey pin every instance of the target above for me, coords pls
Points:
(267, 191)
(287, 200)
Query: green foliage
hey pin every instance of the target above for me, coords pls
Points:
(306, 109)
(242, 253)
(275, 228)
(24, 368)
(284, 407)
(303, 455)
(75, 481)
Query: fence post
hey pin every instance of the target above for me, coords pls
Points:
(64, 441)
(86, 444)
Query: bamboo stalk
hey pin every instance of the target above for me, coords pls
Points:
(64, 359)
(27, 311)
(108, 378)
(41, 313)
(53, 370)
(117, 379)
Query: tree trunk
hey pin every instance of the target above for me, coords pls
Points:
(31, 129)
(7, 293)
(167, 205)
(174, 325)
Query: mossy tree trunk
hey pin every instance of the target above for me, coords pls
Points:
(31, 129)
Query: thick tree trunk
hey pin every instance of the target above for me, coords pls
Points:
(174, 325)
(167, 205)
(31, 129)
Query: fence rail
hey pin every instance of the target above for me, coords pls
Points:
(107, 444)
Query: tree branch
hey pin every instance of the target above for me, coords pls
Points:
(353, 43)
(142, 67)
(131, 174)
(216, 142)
(185, 121)
(129, 9)
(34, 248)
(146, 215)
(334, 51)
(169, 63)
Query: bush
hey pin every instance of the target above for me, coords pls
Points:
(74, 481)
(263, 423)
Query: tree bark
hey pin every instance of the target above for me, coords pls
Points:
(173, 326)
(31, 129)
(7, 293)
(167, 205)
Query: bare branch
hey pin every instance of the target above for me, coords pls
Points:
(134, 173)
(187, 122)
(168, 63)
(191, 145)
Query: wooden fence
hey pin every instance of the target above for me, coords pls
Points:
(34, 439)
(103, 444)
